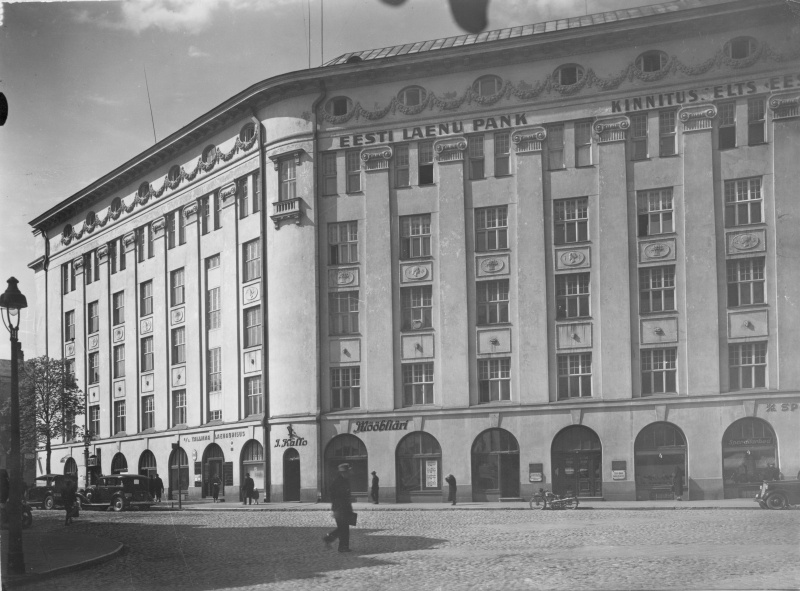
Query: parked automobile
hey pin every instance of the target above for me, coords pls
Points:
(46, 492)
(778, 494)
(118, 492)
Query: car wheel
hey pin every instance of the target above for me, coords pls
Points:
(117, 504)
(48, 503)
(777, 501)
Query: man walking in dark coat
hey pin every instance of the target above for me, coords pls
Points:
(69, 497)
(158, 488)
(451, 493)
(342, 508)
(374, 491)
(249, 485)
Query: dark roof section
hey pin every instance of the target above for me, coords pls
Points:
(523, 31)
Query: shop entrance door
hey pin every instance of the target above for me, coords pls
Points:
(291, 475)
(577, 474)
(509, 475)
(213, 462)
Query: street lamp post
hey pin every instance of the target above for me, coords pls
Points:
(87, 438)
(11, 302)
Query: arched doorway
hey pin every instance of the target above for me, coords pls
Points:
(495, 466)
(178, 472)
(658, 450)
(213, 464)
(119, 464)
(749, 446)
(253, 464)
(291, 475)
(147, 464)
(350, 449)
(577, 458)
(418, 459)
(71, 468)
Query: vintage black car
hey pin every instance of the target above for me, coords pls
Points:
(118, 492)
(778, 494)
(46, 492)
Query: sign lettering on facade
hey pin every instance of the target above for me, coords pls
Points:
(749, 442)
(385, 425)
(785, 406)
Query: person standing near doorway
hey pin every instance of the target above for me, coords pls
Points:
(677, 484)
(68, 497)
(215, 488)
(342, 507)
(373, 493)
(158, 487)
(249, 485)
(451, 486)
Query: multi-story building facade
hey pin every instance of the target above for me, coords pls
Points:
(560, 255)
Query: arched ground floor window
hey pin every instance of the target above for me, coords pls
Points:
(576, 458)
(119, 464)
(495, 466)
(659, 449)
(749, 456)
(348, 449)
(71, 468)
(419, 467)
(147, 464)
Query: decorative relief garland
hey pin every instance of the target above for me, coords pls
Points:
(141, 200)
(524, 91)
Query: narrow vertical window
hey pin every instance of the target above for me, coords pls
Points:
(178, 408)
(571, 220)
(342, 243)
(205, 215)
(88, 269)
(94, 367)
(288, 179)
(494, 380)
(172, 230)
(94, 420)
(667, 133)
(118, 304)
(213, 308)
(145, 298)
(583, 143)
(112, 257)
(217, 210)
(756, 121)
(178, 345)
(743, 202)
(425, 163)
(151, 236)
(252, 326)
(726, 134)
(502, 166)
(69, 325)
(639, 136)
(252, 260)
(353, 162)
(329, 173)
(119, 361)
(243, 198)
(415, 236)
(254, 404)
(181, 226)
(177, 286)
(147, 354)
(148, 413)
(401, 167)
(215, 370)
(555, 147)
(93, 317)
(140, 254)
(256, 193)
(475, 157)
(491, 228)
(65, 272)
(121, 252)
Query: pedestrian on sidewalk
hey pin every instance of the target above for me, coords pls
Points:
(451, 485)
(373, 493)
(249, 485)
(342, 507)
(68, 497)
(215, 488)
(158, 487)
(677, 483)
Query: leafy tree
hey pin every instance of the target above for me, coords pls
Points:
(49, 401)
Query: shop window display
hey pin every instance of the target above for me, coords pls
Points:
(749, 456)
(660, 449)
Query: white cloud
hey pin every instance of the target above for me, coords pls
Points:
(197, 52)
(102, 100)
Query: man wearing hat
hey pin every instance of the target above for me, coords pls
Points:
(342, 508)
(373, 493)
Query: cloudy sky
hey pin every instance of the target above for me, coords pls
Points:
(74, 77)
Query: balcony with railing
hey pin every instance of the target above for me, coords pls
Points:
(288, 209)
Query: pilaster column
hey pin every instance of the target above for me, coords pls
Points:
(102, 340)
(191, 377)
(377, 283)
(231, 310)
(159, 323)
(128, 331)
(611, 313)
(530, 355)
(452, 370)
(702, 275)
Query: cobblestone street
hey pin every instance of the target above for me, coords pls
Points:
(449, 549)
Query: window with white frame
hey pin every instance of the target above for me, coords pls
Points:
(655, 212)
(328, 172)
(571, 220)
(743, 202)
(502, 154)
(657, 289)
(94, 367)
(415, 236)
(205, 214)
(93, 317)
(119, 416)
(568, 75)
(67, 278)
(178, 345)
(494, 380)
(94, 420)
(475, 160)
(119, 361)
(667, 133)
(491, 228)
(417, 384)
(212, 262)
(425, 163)
(254, 404)
(343, 312)
(177, 286)
(574, 375)
(118, 305)
(256, 179)
(583, 143)
(756, 121)
(345, 387)
(746, 282)
(172, 230)
(416, 305)
(488, 85)
(747, 365)
(213, 317)
(492, 301)
(88, 269)
(252, 260)
(555, 147)
(112, 257)
(178, 408)
(638, 128)
(217, 210)
(353, 165)
(252, 326)
(343, 243)
(215, 369)
(243, 194)
(659, 371)
(740, 47)
(401, 166)
(726, 132)
(287, 170)
(572, 295)
(145, 298)
(148, 412)
(69, 325)
(411, 96)
(147, 354)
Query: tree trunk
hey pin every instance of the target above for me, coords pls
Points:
(48, 452)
